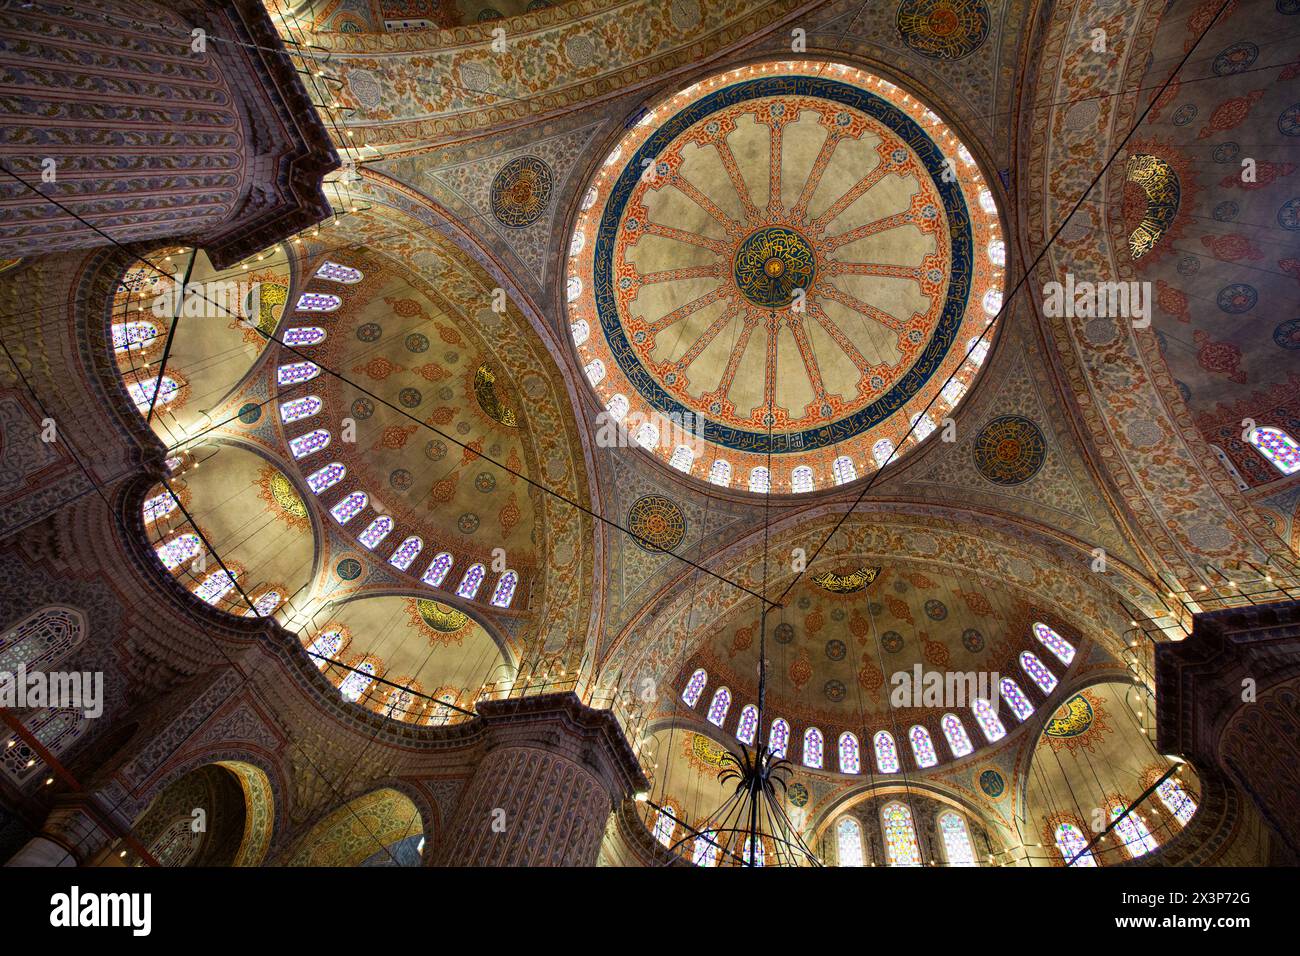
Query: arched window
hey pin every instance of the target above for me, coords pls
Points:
(349, 507)
(1278, 447)
(299, 408)
(801, 479)
(843, 470)
(469, 584)
(215, 586)
(720, 473)
(956, 840)
(309, 443)
(682, 458)
(695, 687)
(338, 273)
(882, 451)
(647, 436)
(778, 740)
(988, 720)
(580, 330)
(437, 570)
(1177, 800)
(355, 684)
(760, 480)
(327, 645)
(179, 550)
(952, 392)
(327, 477)
(886, 752)
(318, 302)
(922, 426)
(901, 848)
(134, 335)
(296, 372)
(748, 725)
(440, 714)
(850, 754)
(754, 845)
(399, 704)
(1055, 643)
(992, 301)
(719, 707)
(617, 407)
(265, 604)
(812, 748)
(42, 639)
(577, 241)
(595, 370)
(159, 506)
(504, 592)
(665, 825)
(376, 531)
(1044, 678)
(55, 728)
(1014, 696)
(142, 392)
(406, 552)
(1070, 841)
(848, 842)
(977, 350)
(705, 852)
(955, 732)
(997, 250)
(304, 335)
(1137, 839)
(923, 746)
(572, 288)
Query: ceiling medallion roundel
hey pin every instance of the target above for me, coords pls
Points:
(1009, 450)
(657, 522)
(788, 261)
(521, 191)
(944, 29)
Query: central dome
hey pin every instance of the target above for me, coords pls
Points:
(784, 265)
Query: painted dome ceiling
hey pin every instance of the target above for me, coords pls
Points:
(784, 265)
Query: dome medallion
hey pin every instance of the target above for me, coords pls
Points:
(788, 261)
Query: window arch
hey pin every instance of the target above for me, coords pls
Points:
(977, 350)
(326, 645)
(695, 687)
(760, 480)
(1070, 841)
(759, 854)
(216, 586)
(843, 470)
(850, 754)
(56, 729)
(1177, 800)
(882, 451)
(470, 583)
(922, 426)
(955, 732)
(304, 335)
(318, 302)
(988, 720)
(349, 506)
(1278, 447)
(595, 370)
(266, 604)
(327, 477)
(705, 852)
(406, 553)
(400, 703)
(617, 407)
(720, 473)
(886, 752)
(952, 391)
(42, 639)
(141, 392)
(665, 825)
(720, 705)
(580, 330)
(1054, 642)
(572, 288)
(682, 458)
(504, 592)
(1014, 696)
(338, 273)
(376, 531)
(801, 479)
(1035, 668)
(159, 506)
(355, 684)
(848, 842)
(180, 549)
(778, 741)
(309, 443)
(901, 848)
(295, 372)
(299, 408)
(139, 335)
(812, 748)
(957, 847)
(1137, 839)
(748, 724)
(647, 436)
(437, 570)
(923, 746)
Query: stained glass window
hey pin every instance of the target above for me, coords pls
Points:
(398, 705)
(923, 746)
(54, 728)
(955, 731)
(296, 372)
(986, 201)
(326, 645)
(41, 640)
(309, 443)
(956, 840)
(265, 605)
(848, 842)
(665, 825)
(882, 451)
(1070, 841)
(580, 331)
(977, 350)
(299, 408)
(182, 548)
(437, 570)
(617, 407)
(215, 586)
(886, 752)
(812, 748)
(760, 480)
(134, 335)
(376, 531)
(758, 852)
(801, 479)
(349, 507)
(470, 583)
(406, 552)
(338, 273)
(953, 390)
(647, 436)
(142, 392)
(694, 688)
(922, 426)
(504, 592)
(992, 301)
(779, 740)
(850, 754)
(705, 852)
(682, 458)
(997, 250)
(1014, 696)
(843, 470)
(1133, 832)
(572, 288)
(901, 847)
(577, 241)
(595, 370)
(318, 302)
(1055, 643)
(720, 473)
(1278, 447)
(1177, 800)
(988, 719)
(304, 335)
(159, 506)
(1044, 678)
(355, 684)
(748, 724)
(719, 706)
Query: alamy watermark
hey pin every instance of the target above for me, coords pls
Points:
(69, 690)
(1088, 300)
(223, 298)
(950, 689)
